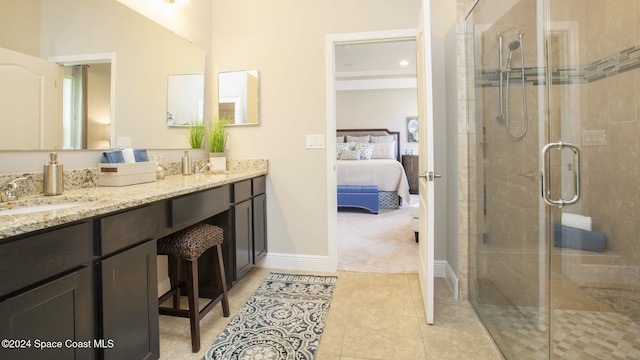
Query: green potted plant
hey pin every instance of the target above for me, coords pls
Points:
(217, 136)
(196, 135)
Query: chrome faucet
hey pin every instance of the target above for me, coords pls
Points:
(8, 190)
(204, 167)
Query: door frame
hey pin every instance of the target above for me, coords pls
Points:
(332, 193)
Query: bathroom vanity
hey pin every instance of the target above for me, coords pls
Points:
(81, 282)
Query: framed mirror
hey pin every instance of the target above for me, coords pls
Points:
(185, 99)
(238, 98)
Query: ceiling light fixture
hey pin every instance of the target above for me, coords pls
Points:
(404, 63)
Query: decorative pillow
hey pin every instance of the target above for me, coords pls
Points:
(347, 154)
(365, 150)
(340, 147)
(340, 139)
(360, 139)
(382, 139)
(384, 150)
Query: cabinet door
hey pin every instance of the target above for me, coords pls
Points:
(58, 311)
(243, 246)
(129, 291)
(259, 227)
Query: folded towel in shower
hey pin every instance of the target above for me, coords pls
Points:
(576, 221)
(141, 155)
(112, 156)
(569, 237)
(128, 155)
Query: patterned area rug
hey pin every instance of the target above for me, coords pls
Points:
(283, 320)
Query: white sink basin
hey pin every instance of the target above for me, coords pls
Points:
(38, 204)
(38, 208)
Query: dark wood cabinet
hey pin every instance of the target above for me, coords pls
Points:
(249, 224)
(47, 294)
(259, 227)
(59, 312)
(243, 239)
(129, 306)
(95, 281)
(410, 165)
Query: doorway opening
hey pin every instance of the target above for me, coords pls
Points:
(371, 89)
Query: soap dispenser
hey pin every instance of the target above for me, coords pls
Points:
(186, 163)
(53, 176)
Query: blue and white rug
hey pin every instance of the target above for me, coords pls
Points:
(283, 320)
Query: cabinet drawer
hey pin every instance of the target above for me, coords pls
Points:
(127, 228)
(259, 185)
(241, 191)
(26, 261)
(193, 208)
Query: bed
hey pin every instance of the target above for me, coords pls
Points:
(372, 157)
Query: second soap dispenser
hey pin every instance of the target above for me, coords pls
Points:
(186, 163)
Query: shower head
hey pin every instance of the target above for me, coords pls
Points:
(513, 46)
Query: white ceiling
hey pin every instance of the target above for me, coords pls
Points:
(375, 57)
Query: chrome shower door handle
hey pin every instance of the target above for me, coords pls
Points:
(546, 186)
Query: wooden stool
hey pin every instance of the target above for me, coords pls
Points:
(185, 247)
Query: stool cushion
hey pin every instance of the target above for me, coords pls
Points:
(191, 242)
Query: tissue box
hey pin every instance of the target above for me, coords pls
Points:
(126, 173)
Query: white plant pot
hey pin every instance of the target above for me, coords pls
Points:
(218, 161)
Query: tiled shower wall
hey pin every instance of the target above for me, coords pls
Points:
(609, 104)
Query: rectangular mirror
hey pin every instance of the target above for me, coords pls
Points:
(238, 97)
(185, 99)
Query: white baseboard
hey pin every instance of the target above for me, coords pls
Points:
(439, 268)
(164, 285)
(452, 280)
(296, 262)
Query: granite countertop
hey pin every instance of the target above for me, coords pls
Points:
(100, 200)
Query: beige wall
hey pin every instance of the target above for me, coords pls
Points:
(375, 109)
(285, 41)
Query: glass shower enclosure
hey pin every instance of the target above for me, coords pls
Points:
(554, 119)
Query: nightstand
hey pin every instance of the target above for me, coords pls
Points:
(410, 165)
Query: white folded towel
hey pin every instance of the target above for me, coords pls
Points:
(577, 221)
(129, 156)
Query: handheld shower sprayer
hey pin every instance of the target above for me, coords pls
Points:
(513, 46)
(502, 70)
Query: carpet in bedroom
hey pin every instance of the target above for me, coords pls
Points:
(377, 243)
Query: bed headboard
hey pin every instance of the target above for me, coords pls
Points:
(376, 132)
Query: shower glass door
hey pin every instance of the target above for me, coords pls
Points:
(508, 251)
(554, 118)
(593, 54)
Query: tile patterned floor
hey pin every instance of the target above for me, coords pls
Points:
(577, 334)
(372, 316)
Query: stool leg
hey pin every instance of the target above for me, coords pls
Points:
(177, 266)
(221, 279)
(194, 310)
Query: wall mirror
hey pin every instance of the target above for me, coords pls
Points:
(143, 53)
(238, 98)
(185, 99)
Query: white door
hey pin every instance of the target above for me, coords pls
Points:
(426, 162)
(28, 94)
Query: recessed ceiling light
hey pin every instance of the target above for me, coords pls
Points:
(404, 63)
